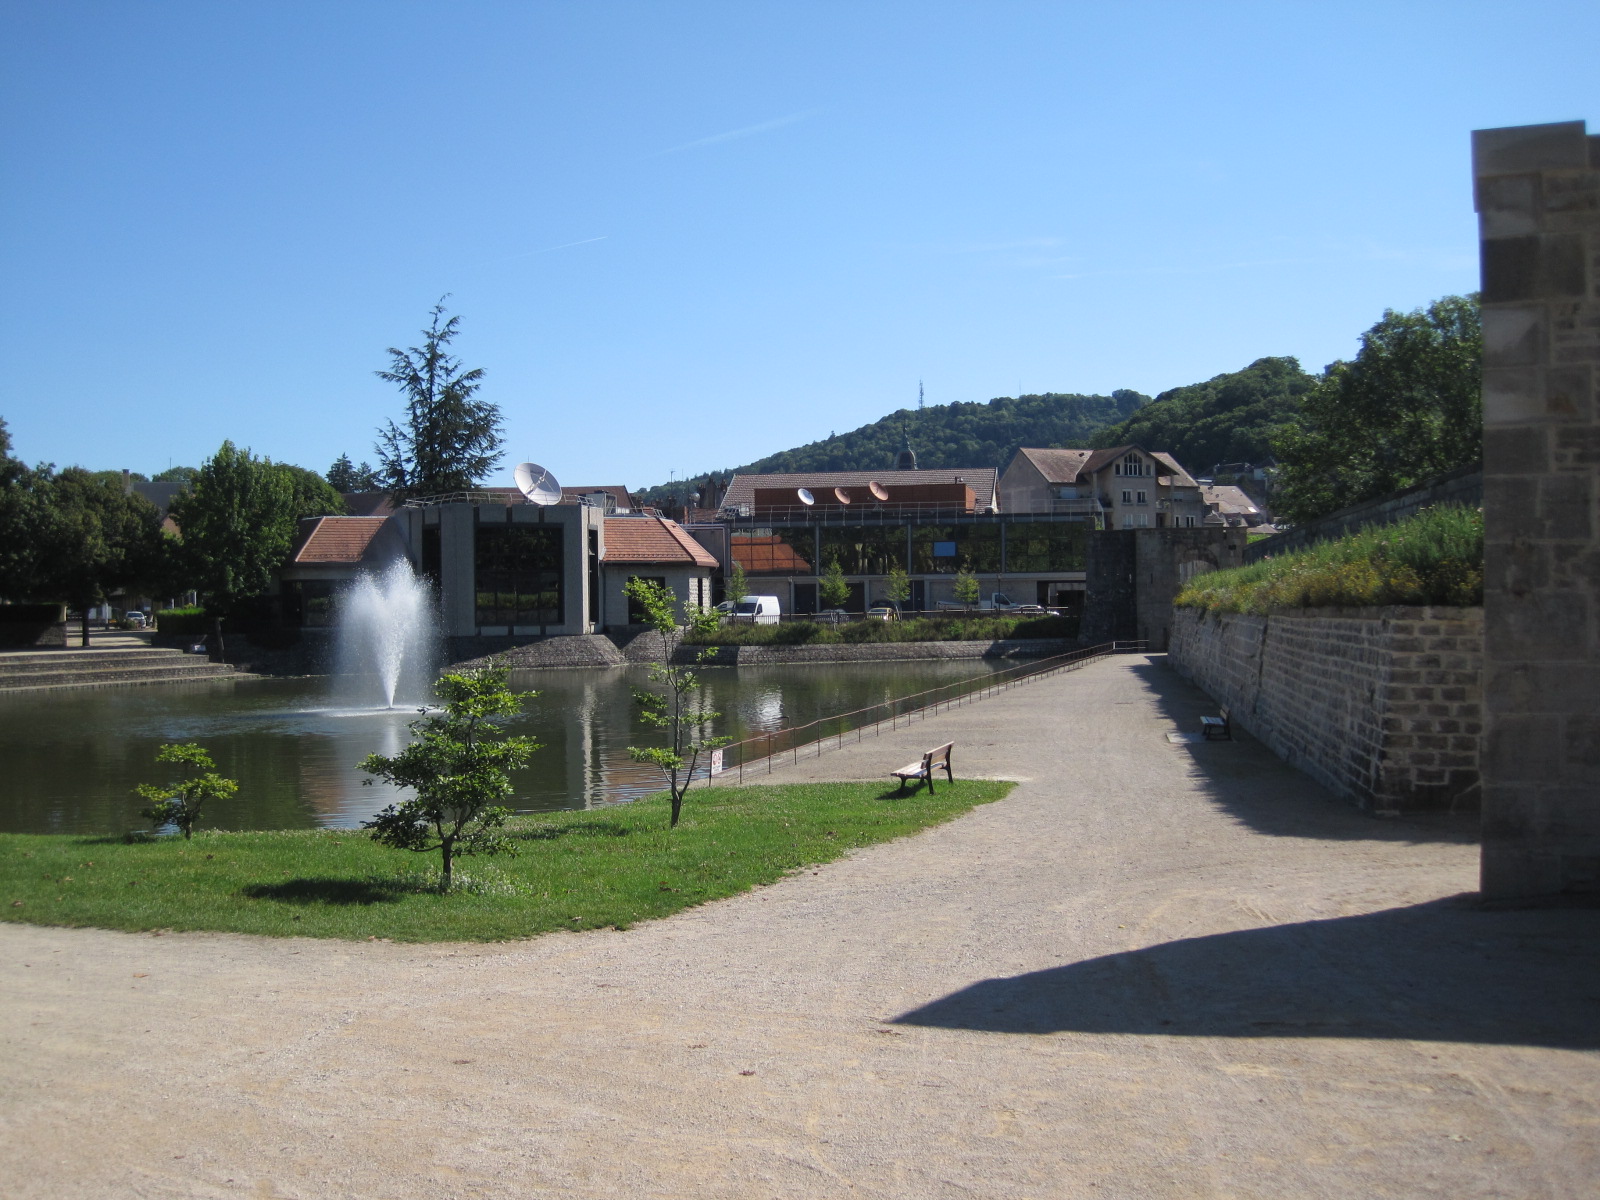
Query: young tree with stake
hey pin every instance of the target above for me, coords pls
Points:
(459, 767)
(673, 708)
(180, 803)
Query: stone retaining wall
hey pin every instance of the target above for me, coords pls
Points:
(1382, 705)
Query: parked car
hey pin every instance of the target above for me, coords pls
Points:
(882, 612)
(757, 610)
(133, 620)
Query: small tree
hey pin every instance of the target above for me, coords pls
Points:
(459, 767)
(179, 803)
(834, 588)
(673, 708)
(966, 587)
(897, 586)
(735, 588)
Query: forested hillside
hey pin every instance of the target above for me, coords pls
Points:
(1230, 418)
(948, 435)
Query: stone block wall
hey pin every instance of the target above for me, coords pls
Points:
(1537, 192)
(1381, 705)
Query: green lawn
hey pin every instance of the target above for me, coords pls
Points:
(580, 870)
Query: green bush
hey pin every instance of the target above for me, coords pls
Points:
(183, 621)
(1435, 557)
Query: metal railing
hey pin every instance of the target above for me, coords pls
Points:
(833, 730)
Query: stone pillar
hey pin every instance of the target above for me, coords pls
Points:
(1538, 200)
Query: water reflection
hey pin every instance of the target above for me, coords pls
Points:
(72, 759)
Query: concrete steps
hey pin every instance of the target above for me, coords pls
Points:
(76, 668)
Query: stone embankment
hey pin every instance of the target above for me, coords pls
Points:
(29, 670)
(1382, 705)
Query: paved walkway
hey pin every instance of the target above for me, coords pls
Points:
(1155, 970)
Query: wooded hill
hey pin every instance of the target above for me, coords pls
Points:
(945, 435)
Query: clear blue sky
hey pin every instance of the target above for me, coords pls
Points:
(684, 235)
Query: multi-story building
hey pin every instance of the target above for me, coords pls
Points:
(1122, 487)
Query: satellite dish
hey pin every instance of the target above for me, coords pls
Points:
(537, 484)
(805, 495)
(842, 495)
(879, 492)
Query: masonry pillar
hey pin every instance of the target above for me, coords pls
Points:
(1538, 201)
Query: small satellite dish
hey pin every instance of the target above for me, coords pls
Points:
(537, 484)
(805, 495)
(879, 492)
(842, 495)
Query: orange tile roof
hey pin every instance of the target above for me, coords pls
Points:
(652, 540)
(336, 539)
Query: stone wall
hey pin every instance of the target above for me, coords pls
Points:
(1538, 201)
(1381, 705)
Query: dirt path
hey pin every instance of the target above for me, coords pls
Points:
(1155, 970)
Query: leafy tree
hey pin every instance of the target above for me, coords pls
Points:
(1228, 418)
(966, 587)
(736, 587)
(673, 708)
(237, 522)
(833, 587)
(90, 538)
(19, 524)
(1408, 408)
(897, 586)
(449, 440)
(460, 768)
(345, 476)
(180, 802)
(311, 494)
(115, 477)
(176, 475)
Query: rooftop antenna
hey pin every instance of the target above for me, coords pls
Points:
(537, 484)
(919, 395)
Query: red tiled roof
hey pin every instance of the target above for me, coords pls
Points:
(652, 540)
(336, 539)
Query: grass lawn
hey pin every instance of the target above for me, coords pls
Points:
(579, 870)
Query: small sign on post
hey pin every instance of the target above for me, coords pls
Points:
(716, 761)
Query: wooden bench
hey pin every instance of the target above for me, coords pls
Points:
(932, 761)
(1216, 729)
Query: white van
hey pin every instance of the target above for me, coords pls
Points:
(756, 610)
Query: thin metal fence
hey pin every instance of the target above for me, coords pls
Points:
(832, 731)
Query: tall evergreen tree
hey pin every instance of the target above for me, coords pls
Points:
(449, 441)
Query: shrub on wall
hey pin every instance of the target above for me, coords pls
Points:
(1435, 557)
(184, 621)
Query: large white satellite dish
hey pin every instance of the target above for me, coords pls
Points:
(537, 484)
(805, 496)
(879, 492)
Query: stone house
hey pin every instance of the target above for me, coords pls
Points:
(1120, 487)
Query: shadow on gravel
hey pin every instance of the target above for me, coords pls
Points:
(1249, 781)
(315, 890)
(1445, 971)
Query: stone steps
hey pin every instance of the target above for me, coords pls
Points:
(28, 671)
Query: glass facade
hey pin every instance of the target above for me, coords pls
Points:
(1041, 547)
(518, 575)
(865, 549)
(946, 549)
(775, 551)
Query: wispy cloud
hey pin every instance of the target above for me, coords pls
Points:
(733, 135)
(562, 246)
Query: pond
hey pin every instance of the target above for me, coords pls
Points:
(72, 759)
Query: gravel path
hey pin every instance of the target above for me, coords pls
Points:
(1154, 970)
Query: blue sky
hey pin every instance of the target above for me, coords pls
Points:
(684, 235)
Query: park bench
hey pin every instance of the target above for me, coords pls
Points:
(1216, 729)
(930, 762)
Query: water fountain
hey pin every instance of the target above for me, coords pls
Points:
(387, 639)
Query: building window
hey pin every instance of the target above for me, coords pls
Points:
(865, 550)
(1047, 547)
(946, 549)
(518, 576)
(1127, 497)
(1144, 498)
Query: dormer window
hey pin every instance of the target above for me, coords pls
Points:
(1130, 464)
